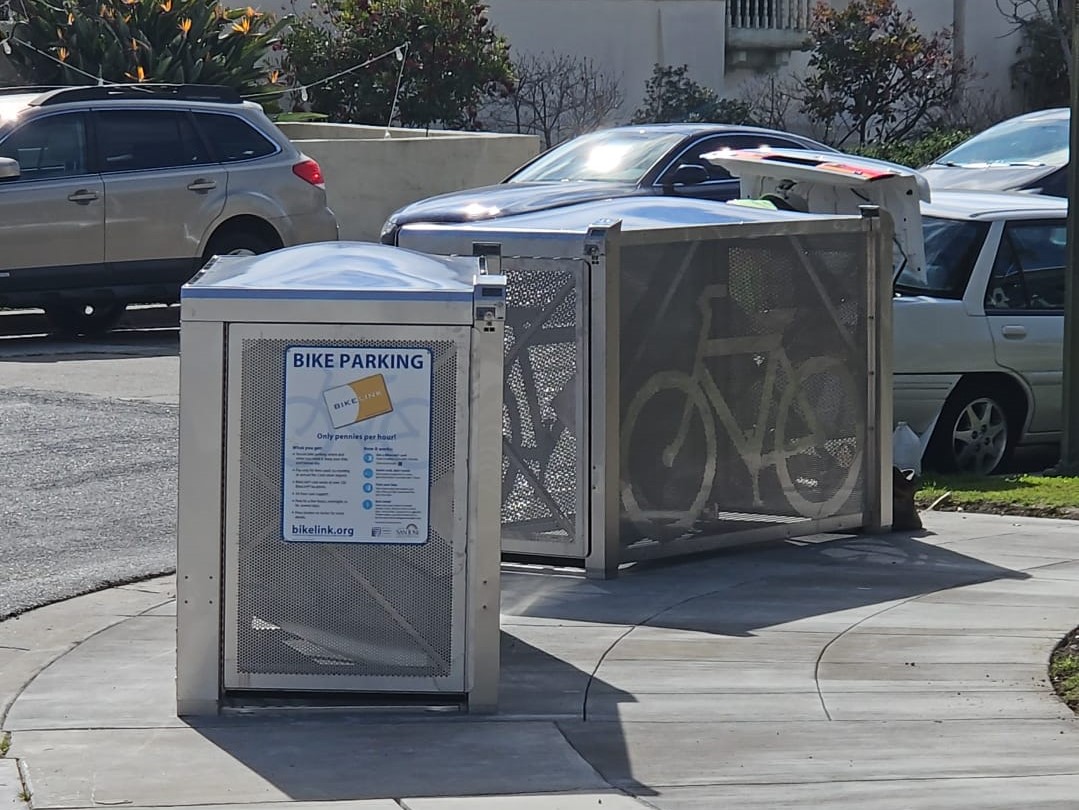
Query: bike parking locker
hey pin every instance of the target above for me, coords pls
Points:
(683, 376)
(339, 457)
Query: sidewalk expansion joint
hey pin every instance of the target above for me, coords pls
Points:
(119, 619)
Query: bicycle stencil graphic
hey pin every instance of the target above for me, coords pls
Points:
(540, 441)
(748, 416)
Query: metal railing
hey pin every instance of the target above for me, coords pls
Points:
(774, 15)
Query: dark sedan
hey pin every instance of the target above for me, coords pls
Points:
(652, 159)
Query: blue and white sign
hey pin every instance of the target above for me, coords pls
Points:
(357, 445)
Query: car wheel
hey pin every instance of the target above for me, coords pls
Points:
(975, 433)
(236, 243)
(73, 320)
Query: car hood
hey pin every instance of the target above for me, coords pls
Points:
(985, 178)
(507, 199)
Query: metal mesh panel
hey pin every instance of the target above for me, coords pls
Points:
(744, 400)
(325, 609)
(540, 488)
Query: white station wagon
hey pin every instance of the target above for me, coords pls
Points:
(979, 339)
(979, 314)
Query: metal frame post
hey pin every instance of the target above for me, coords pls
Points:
(485, 506)
(199, 528)
(878, 458)
(1069, 448)
(602, 255)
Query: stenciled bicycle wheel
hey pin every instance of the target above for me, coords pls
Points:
(668, 448)
(818, 440)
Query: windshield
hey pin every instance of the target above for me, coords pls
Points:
(623, 156)
(1028, 142)
(951, 249)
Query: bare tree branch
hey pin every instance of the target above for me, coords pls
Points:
(558, 96)
(1056, 12)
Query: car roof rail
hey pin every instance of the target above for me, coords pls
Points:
(28, 89)
(108, 92)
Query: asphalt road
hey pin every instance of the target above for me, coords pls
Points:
(87, 460)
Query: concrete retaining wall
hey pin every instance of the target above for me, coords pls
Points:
(369, 175)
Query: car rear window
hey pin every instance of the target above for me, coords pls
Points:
(232, 138)
(951, 249)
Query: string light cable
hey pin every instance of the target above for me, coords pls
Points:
(398, 51)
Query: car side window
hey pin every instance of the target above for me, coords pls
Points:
(48, 148)
(233, 139)
(692, 156)
(137, 140)
(1029, 270)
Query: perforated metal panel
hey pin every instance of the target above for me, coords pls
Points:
(743, 395)
(340, 615)
(542, 426)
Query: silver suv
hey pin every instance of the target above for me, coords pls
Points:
(119, 194)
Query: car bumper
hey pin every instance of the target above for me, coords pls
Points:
(301, 229)
(918, 398)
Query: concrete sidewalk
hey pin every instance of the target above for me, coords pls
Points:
(847, 672)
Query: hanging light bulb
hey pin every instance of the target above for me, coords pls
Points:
(400, 54)
(303, 94)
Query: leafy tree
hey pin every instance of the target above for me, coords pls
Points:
(1043, 60)
(453, 59)
(557, 96)
(873, 76)
(174, 41)
(671, 95)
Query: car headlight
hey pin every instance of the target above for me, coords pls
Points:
(388, 235)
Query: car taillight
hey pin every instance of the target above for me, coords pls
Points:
(310, 171)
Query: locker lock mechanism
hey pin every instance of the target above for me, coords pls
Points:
(489, 298)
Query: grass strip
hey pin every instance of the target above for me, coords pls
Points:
(1030, 495)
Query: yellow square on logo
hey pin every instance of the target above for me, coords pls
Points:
(372, 397)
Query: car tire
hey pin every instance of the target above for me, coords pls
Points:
(83, 320)
(976, 431)
(236, 243)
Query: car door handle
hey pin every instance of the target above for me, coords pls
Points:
(83, 195)
(202, 185)
(1014, 332)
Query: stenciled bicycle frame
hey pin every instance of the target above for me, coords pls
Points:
(670, 390)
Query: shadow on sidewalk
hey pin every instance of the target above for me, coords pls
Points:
(353, 754)
(557, 629)
(739, 591)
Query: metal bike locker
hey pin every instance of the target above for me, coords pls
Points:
(338, 527)
(683, 375)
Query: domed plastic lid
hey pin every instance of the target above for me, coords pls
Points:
(337, 270)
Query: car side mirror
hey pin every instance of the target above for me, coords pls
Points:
(9, 169)
(688, 174)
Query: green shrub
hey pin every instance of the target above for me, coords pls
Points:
(916, 152)
(173, 41)
(672, 96)
(453, 61)
(873, 76)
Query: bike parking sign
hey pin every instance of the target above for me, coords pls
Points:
(357, 445)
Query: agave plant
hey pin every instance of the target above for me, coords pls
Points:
(160, 41)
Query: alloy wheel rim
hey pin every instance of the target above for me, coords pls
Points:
(980, 436)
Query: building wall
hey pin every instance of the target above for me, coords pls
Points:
(625, 38)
